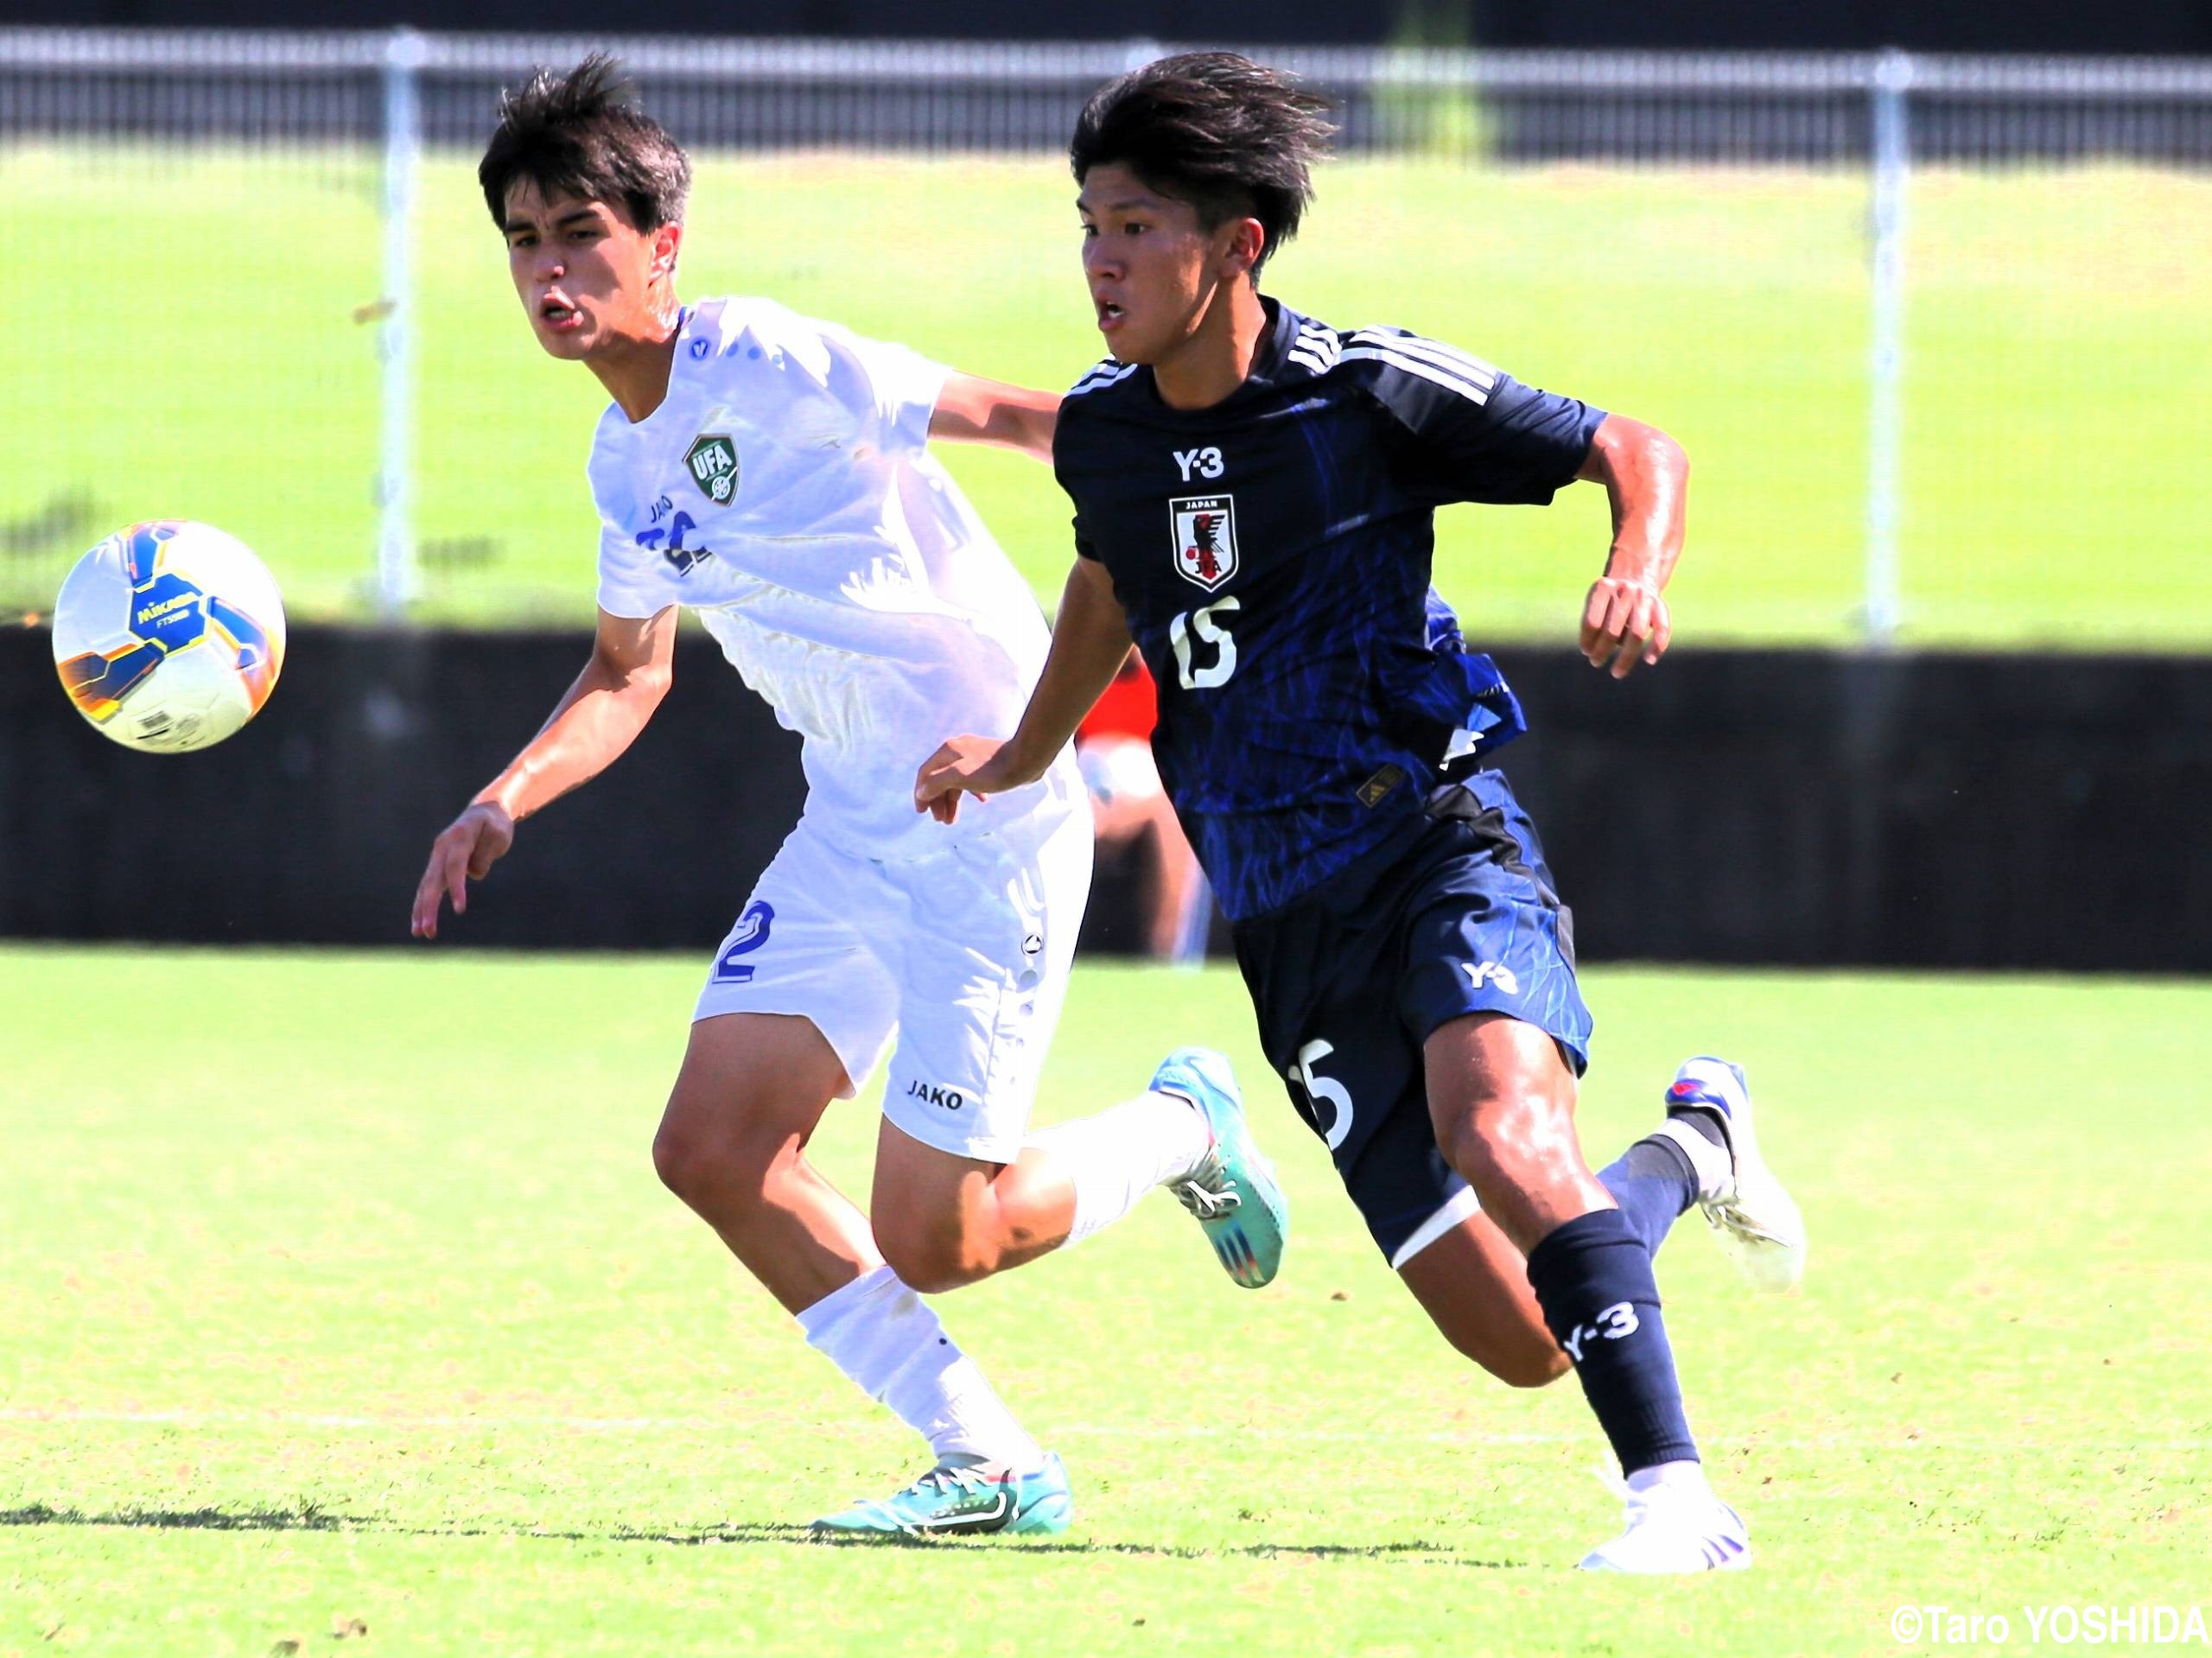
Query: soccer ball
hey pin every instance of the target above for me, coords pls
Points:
(168, 635)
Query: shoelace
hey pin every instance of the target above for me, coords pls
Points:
(1205, 1204)
(964, 1482)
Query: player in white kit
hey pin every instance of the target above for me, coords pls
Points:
(772, 474)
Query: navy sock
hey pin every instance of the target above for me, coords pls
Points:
(1705, 1119)
(1592, 1279)
(1653, 1183)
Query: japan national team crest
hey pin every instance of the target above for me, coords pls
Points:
(712, 462)
(1205, 537)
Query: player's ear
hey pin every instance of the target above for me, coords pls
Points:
(668, 241)
(1247, 243)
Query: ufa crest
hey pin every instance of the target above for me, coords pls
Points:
(712, 462)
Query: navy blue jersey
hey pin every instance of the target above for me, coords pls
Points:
(1273, 555)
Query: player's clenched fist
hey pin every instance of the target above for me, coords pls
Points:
(1623, 621)
(981, 766)
(465, 850)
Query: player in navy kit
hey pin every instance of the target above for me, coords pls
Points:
(1254, 494)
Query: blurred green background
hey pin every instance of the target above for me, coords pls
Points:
(196, 335)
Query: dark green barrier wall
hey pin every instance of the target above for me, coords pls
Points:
(313, 823)
(1736, 806)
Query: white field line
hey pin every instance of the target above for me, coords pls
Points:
(1215, 1432)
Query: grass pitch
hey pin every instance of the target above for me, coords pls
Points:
(336, 1292)
(218, 359)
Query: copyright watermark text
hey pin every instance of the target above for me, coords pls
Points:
(2057, 1623)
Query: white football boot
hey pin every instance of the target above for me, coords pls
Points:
(1675, 1525)
(1753, 1219)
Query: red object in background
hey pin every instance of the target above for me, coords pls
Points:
(1130, 707)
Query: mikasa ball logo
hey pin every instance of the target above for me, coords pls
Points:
(712, 460)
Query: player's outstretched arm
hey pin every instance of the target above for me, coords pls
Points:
(587, 730)
(973, 410)
(1091, 637)
(1646, 476)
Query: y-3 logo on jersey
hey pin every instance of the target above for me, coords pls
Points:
(1205, 537)
(1495, 973)
(1203, 463)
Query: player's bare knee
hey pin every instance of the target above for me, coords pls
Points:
(711, 1157)
(1478, 1143)
(1506, 1143)
(932, 1260)
(1020, 1198)
(682, 1158)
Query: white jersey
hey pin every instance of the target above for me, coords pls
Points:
(782, 489)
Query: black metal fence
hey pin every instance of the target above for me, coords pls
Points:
(924, 95)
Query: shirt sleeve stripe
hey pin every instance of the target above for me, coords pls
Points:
(1317, 348)
(1433, 350)
(1427, 370)
(1105, 374)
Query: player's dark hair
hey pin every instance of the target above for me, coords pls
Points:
(578, 135)
(1230, 136)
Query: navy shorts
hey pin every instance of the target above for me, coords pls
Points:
(1458, 916)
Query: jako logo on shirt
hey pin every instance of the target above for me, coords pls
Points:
(1205, 537)
(949, 1098)
(712, 462)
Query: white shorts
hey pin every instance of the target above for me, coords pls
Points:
(963, 957)
(1119, 768)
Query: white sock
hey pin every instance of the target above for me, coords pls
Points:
(1686, 1476)
(1122, 1152)
(1708, 1162)
(887, 1340)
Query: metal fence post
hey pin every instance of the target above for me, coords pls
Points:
(404, 55)
(1892, 152)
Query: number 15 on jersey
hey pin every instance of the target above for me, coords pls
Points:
(1213, 638)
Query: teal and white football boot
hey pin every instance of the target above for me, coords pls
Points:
(956, 1502)
(1233, 1192)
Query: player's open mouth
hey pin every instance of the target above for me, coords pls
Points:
(558, 317)
(1110, 316)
